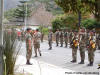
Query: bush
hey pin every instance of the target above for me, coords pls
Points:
(64, 21)
(89, 23)
(43, 30)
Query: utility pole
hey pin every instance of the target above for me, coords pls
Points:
(1, 37)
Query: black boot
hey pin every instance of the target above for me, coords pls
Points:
(40, 54)
(28, 63)
(73, 61)
(50, 48)
(82, 62)
(91, 64)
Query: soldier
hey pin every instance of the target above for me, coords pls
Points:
(66, 38)
(57, 37)
(70, 37)
(28, 46)
(98, 40)
(74, 45)
(82, 48)
(91, 48)
(42, 36)
(36, 42)
(61, 35)
(50, 39)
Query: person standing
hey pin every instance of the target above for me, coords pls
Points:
(82, 45)
(50, 35)
(66, 38)
(71, 34)
(57, 37)
(98, 40)
(74, 45)
(61, 34)
(36, 42)
(28, 46)
(91, 48)
(42, 36)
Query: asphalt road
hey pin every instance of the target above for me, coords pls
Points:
(58, 59)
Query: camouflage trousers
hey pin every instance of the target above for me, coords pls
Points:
(50, 43)
(91, 54)
(57, 41)
(29, 53)
(74, 53)
(66, 42)
(37, 48)
(61, 41)
(82, 53)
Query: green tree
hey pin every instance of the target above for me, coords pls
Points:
(65, 21)
(94, 7)
(9, 14)
(21, 11)
(89, 23)
(74, 6)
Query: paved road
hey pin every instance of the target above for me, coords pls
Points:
(57, 60)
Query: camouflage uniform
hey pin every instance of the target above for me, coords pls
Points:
(36, 42)
(28, 46)
(91, 50)
(82, 46)
(98, 41)
(42, 36)
(57, 37)
(50, 40)
(70, 37)
(74, 45)
(66, 38)
(61, 35)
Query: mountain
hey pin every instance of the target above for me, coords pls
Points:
(8, 4)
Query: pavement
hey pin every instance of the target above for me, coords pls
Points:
(55, 62)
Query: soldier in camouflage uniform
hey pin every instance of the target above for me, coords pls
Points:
(91, 48)
(61, 35)
(36, 42)
(28, 46)
(50, 35)
(82, 46)
(70, 37)
(57, 37)
(74, 45)
(66, 38)
(98, 40)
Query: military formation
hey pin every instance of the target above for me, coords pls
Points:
(82, 40)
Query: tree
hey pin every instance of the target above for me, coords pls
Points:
(74, 6)
(21, 11)
(89, 23)
(9, 14)
(65, 21)
(94, 7)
